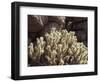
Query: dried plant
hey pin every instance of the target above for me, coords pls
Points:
(58, 47)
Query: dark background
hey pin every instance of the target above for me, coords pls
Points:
(37, 25)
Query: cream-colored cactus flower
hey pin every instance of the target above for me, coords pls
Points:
(58, 47)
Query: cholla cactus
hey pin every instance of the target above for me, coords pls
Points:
(58, 47)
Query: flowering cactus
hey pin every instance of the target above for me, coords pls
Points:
(58, 47)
